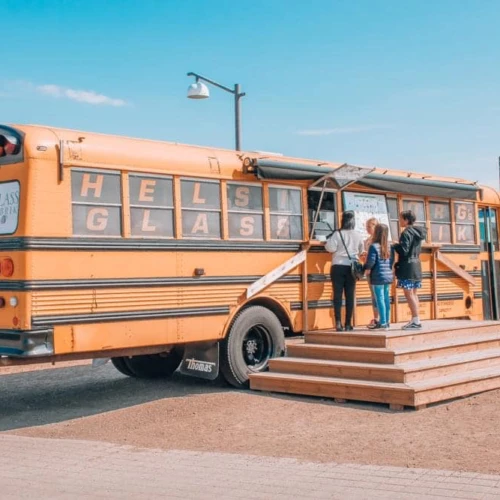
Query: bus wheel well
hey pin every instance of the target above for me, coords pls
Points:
(275, 308)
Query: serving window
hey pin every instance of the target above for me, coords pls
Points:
(326, 221)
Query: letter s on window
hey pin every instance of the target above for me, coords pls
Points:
(242, 197)
(247, 226)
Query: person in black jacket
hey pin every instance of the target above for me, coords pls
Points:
(409, 267)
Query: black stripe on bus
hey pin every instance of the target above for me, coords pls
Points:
(449, 274)
(321, 278)
(184, 312)
(460, 249)
(478, 295)
(131, 244)
(76, 284)
(443, 249)
(118, 244)
(326, 304)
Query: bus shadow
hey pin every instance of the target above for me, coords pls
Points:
(56, 395)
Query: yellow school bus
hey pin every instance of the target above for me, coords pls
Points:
(159, 255)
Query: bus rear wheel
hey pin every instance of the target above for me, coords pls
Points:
(255, 337)
(121, 366)
(150, 365)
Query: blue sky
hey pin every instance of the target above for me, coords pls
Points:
(411, 84)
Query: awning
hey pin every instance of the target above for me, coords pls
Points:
(272, 169)
(265, 168)
(419, 186)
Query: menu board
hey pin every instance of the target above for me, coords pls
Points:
(365, 206)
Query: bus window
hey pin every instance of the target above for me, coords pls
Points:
(286, 213)
(201, 209)
(418, 208)
(96, 203)
(465, 223)
(151, 206)
(245, 211)
(325, 223)
(494, 228)
(440, 218)
(392, 206)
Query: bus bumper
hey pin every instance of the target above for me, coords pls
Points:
(27, 343)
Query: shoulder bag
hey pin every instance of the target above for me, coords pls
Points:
(357, 270)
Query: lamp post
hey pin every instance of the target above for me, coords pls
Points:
(199, 90)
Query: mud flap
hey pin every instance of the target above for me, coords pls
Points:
(201, 361)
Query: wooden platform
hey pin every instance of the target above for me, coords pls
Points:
(445, 360)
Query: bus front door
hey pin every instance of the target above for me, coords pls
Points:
(490, 262)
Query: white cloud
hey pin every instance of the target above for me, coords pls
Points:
(342, 130)
(87, 96)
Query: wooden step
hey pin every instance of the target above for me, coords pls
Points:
(337, 369)
(355, 339)
(447, 347)
(329, 387)
(397, 338)
(456, 385)
(448, 365)
(403, 338)
(341, 353)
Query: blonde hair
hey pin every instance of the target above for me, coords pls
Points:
(372, 220)
(381, 237)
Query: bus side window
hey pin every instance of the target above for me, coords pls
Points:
(326, 222)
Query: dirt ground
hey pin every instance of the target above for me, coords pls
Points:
(461, 435)
(9, 370)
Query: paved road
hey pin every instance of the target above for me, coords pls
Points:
(59, 469)
(50, 396)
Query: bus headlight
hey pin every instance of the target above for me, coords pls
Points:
(13, 301)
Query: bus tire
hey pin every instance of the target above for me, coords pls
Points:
(255, 337)
(153, 365)
(121, 366)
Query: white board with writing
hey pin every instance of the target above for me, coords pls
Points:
(365, 206)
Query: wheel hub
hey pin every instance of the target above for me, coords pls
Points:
(251, 347)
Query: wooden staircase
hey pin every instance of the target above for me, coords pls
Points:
(445, 360)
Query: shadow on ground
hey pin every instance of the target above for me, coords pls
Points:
(51, 396)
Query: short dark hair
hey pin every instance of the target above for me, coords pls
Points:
(408, 216)
(348, 220)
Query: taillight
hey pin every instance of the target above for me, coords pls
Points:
(7, 267)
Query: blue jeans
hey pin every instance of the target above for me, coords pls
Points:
(383, 303)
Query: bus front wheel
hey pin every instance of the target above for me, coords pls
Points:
(255, 337)
(150, 365)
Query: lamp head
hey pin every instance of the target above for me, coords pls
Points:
(198, 90)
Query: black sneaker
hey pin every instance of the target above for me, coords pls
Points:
(412, 326)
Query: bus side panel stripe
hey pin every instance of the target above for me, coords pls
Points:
(129, 315)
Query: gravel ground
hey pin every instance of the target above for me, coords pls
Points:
(188, 414)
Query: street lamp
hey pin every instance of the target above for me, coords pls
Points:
(199, 90)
